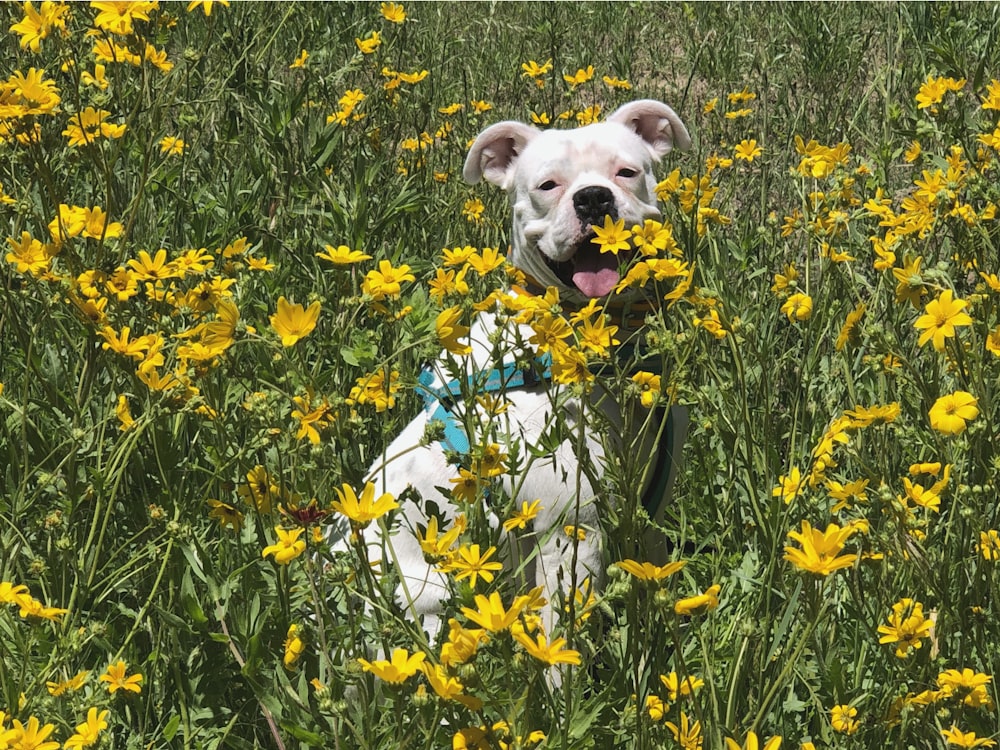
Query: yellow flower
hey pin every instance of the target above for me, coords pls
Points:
(656, 707)
(615, 82)
(123, 413)
(369, 44)
(580, 77)
(30, 255)
(72, 684)
(864, 416)
(798, 306)
(785, 281)
(958, 738)
(546, 651)
(844, 494)
(294, 646)
(117, 17)
(206, 5)
(37, 24)
(89, 731)
(448, 687)
(699, 604)
(11, 593)
(342, 255)
(820, 549)
(377, 388)
(31, 607)
(848, 332)
(293, 322)
(392, 12)
(386, 281)
(950, 413)
(575, 532)
(613, 236)
(300, 61)
(472, 210)
(747, 150)
(288, 546)
(589, 115)
(712, 323)
(449, 330)
(968, 685)
(225, 514)
(172, 145)
(153, 268)
(436, 546)
(933, 89)
(462, 643)
(30, 736)
(116, 679)
(677, 687)
(842, 719)
(906, 627)
(646, 571)
(467, 486)
(649, 388)
(989, 544)
(687, 735)
(789, 486)
(490, 613)
(468, 563)
(489, 260)
(909, 283)
(549, 332)
(311, 420)
(943, 315)
(520, 519)
(158, 58)
(752, 743)
(362, 511)
(397, 670)
(87, 126)
(534, 70)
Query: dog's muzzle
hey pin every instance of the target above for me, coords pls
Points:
(594, 273)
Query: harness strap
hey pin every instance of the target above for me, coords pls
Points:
(440, 401)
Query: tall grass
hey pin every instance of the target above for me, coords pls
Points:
(143, 487)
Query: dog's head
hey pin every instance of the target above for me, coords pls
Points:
(562, 182)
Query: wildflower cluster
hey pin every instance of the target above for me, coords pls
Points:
(237, 233)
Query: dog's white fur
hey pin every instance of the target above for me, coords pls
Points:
(545, 173)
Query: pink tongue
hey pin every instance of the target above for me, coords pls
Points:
(596, 274)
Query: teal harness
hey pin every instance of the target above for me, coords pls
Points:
(439, 403)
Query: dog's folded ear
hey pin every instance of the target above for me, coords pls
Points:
(495, 152)
(655, 123)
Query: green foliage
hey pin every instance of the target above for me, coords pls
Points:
(159, 444)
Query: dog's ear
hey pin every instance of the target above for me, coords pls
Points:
(495, 152)
(655, 123)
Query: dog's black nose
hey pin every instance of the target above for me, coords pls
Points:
(593, 203)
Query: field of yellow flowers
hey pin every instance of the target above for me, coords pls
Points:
(234, 233)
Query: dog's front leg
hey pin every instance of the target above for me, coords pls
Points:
(570, 561)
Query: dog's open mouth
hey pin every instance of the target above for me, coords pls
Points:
(594, 273)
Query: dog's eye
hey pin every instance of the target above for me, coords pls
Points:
(626, 172)
(547, 185)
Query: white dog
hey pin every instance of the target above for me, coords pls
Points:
(560, 182)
